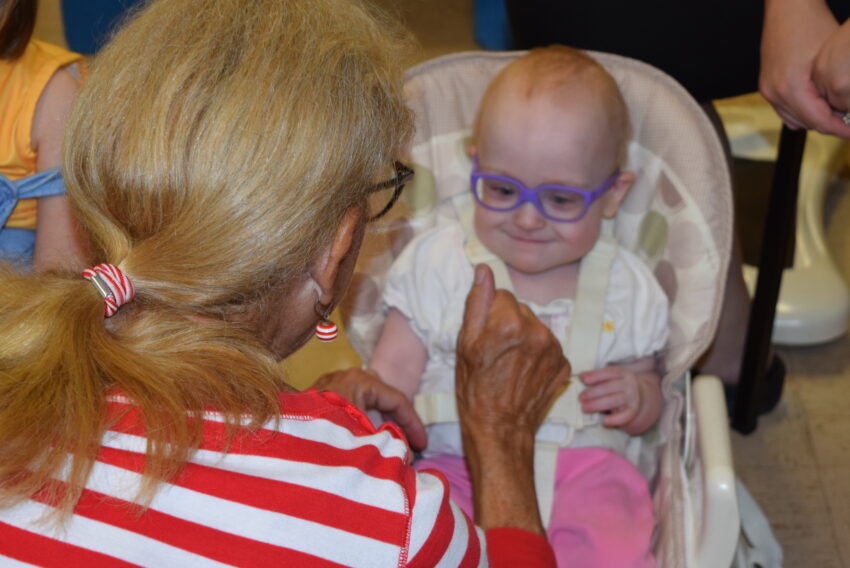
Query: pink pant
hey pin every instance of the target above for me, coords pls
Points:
(601, 511)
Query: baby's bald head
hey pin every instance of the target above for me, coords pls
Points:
(563, 77)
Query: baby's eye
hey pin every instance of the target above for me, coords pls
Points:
(562, 199)
(501, 191)
(496, 193)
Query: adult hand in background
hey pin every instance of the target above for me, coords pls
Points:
(366, 391)
(793, 34)
(831, 73)
(509, 368)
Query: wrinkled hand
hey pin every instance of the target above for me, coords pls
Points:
(365, 390)
(509, 368)
(793, 35)
(509, 365)
(831, 73)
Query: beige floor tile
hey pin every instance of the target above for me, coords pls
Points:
(795, 503)
(831, 441)
(820, 381)
(836, 483)
(821, 377)
(782, 438)
(825, 360)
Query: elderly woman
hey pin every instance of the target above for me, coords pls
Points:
(224, 160)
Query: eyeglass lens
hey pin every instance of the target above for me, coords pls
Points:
(503, 195)
(386, 193)
(380, 202)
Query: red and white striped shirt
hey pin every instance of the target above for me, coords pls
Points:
(321, 487)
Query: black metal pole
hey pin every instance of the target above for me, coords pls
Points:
(778, 239)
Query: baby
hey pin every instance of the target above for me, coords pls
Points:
(548, 143)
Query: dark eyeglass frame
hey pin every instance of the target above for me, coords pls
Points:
(403, 175)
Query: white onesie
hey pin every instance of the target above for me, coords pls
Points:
(430, 280)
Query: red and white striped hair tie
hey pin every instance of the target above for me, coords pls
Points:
(112, 284)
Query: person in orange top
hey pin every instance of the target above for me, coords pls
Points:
(38, 85)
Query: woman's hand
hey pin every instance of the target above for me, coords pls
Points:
(509, 365)
(365, 390)
(509, 368)
(831, 73)
(794, 32)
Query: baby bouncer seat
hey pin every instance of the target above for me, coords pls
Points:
(677, 218)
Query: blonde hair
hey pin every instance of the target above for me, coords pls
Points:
(557, 70)
(211, 155)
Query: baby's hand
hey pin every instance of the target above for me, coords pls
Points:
(614, 391)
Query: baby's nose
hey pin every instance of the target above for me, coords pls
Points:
(528, 218)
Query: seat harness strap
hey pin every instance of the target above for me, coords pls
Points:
(580, 348)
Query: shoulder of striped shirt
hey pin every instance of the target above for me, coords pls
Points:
(417, 525)
(358, 509)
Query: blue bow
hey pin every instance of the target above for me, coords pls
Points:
(42, 184)
(17, 245)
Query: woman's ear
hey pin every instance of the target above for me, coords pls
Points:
(332, 270)
(616, 193)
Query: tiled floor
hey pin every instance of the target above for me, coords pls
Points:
(796, 464)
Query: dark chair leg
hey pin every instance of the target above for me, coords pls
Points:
(777, 242)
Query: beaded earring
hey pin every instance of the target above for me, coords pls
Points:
(326, 330)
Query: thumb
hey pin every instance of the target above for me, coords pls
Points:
(479, 300)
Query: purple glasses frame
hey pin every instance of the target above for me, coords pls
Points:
(532, 195)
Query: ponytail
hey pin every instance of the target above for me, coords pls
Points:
(59, 362)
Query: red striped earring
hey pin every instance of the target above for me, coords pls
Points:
(326, 330)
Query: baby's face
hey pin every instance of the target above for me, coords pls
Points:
(536, 143)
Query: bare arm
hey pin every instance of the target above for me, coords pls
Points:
(400, 356)
(58, 242)
(391, 381)
(630, 394)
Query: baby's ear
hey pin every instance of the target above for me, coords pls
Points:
(472, 150)
(616, 193)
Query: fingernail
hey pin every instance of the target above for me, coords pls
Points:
(479, 274)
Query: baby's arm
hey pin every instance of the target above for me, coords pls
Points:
(58, 243)
(400, 356)
(630, 394)
(399, 361)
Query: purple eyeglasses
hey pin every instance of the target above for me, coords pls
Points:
(555, 202)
